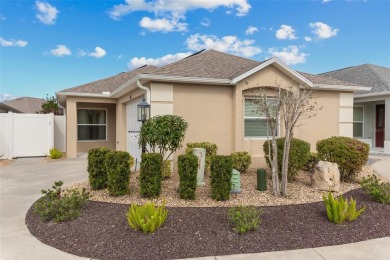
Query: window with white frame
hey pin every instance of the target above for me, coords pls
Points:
(358, 122)
(91, 124)
(255, 120)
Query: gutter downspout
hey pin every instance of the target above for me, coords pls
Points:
(146, 89)
(63, 108)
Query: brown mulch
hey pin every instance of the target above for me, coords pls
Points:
(102, 231)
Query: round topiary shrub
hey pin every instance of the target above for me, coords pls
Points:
(299, 155)
(241, 161)
(349, 154)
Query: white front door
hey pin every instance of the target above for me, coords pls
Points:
(133, 128)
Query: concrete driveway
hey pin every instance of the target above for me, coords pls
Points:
(21, 183)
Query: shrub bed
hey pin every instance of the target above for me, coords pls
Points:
(118, 172)
(151, 175)
(221, 177)
(188, 169)
(241, 161)
(211, 150)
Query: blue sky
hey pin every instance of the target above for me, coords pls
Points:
(47, 46)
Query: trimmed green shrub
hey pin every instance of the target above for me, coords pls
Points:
(211, 150)
(96, 168)
(299, 154)
(54, 153)
(311, 162)
(241, 161)
(244, 218)
(167, 170)
(349, 154)
(340, 210)
(118, 172)
(221, 177)
(188, 170)
(380, 192)
(60, 206)
(151, 175)
(147, 217)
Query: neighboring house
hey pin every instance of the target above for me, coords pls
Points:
(4, 108)
(27, 105)
(212, 91)
(371, 112)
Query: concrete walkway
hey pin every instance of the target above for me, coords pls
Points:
(20, 185)
(382, 167)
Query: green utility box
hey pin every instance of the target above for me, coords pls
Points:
(236, 182)
(261, 180)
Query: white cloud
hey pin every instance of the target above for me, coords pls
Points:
(290, 55)
(61, 50)
(12, 43)
(98, 53)
(322, 30)
(47, 14)
(5, 97)
(177, 7)
(169, 58)
(163, 25)
(286, 32)
(205, 22)
(251, 30)
(229, 44)
(308, 39)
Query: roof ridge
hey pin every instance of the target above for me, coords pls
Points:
(325, 77)
(191, 56)
(336, 70)
(376, 74)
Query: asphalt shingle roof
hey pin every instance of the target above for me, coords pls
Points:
(25, 104)
(206, 64)
(368, 75)
(111, 83)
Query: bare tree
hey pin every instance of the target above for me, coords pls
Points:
(296, 102)
(271, 109)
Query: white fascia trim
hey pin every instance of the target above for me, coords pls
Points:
(186, 79)
(78, 94)
(269, 62)
(124, 85)
(375, 94)
(341, 87)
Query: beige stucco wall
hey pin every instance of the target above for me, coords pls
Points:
(208, 110)
(72, 103)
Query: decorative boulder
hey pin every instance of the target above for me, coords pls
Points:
(326, 177)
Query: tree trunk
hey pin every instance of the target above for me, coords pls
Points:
(274, 168)
(286, 153)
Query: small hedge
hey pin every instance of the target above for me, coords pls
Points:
(118, 172)
(241, 161)
(188, 169)
(167, 170)
(298, 157)
(211, 150)
(151, 175)
(96, 168)
(221, 177)
(349, 154)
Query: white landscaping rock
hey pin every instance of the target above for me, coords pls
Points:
(326, 177)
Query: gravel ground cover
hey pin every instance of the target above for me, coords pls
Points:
(102, 231)
(300, 191)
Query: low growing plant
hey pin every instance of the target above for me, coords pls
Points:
(241, 161)
(339, 210)
(380, 192)
(60, 206)
(54, 153)
(188, 170)
(147, 218)
(245, 218)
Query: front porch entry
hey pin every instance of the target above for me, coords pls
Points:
(380, 125)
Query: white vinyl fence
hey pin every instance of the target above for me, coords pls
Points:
(28, 135)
